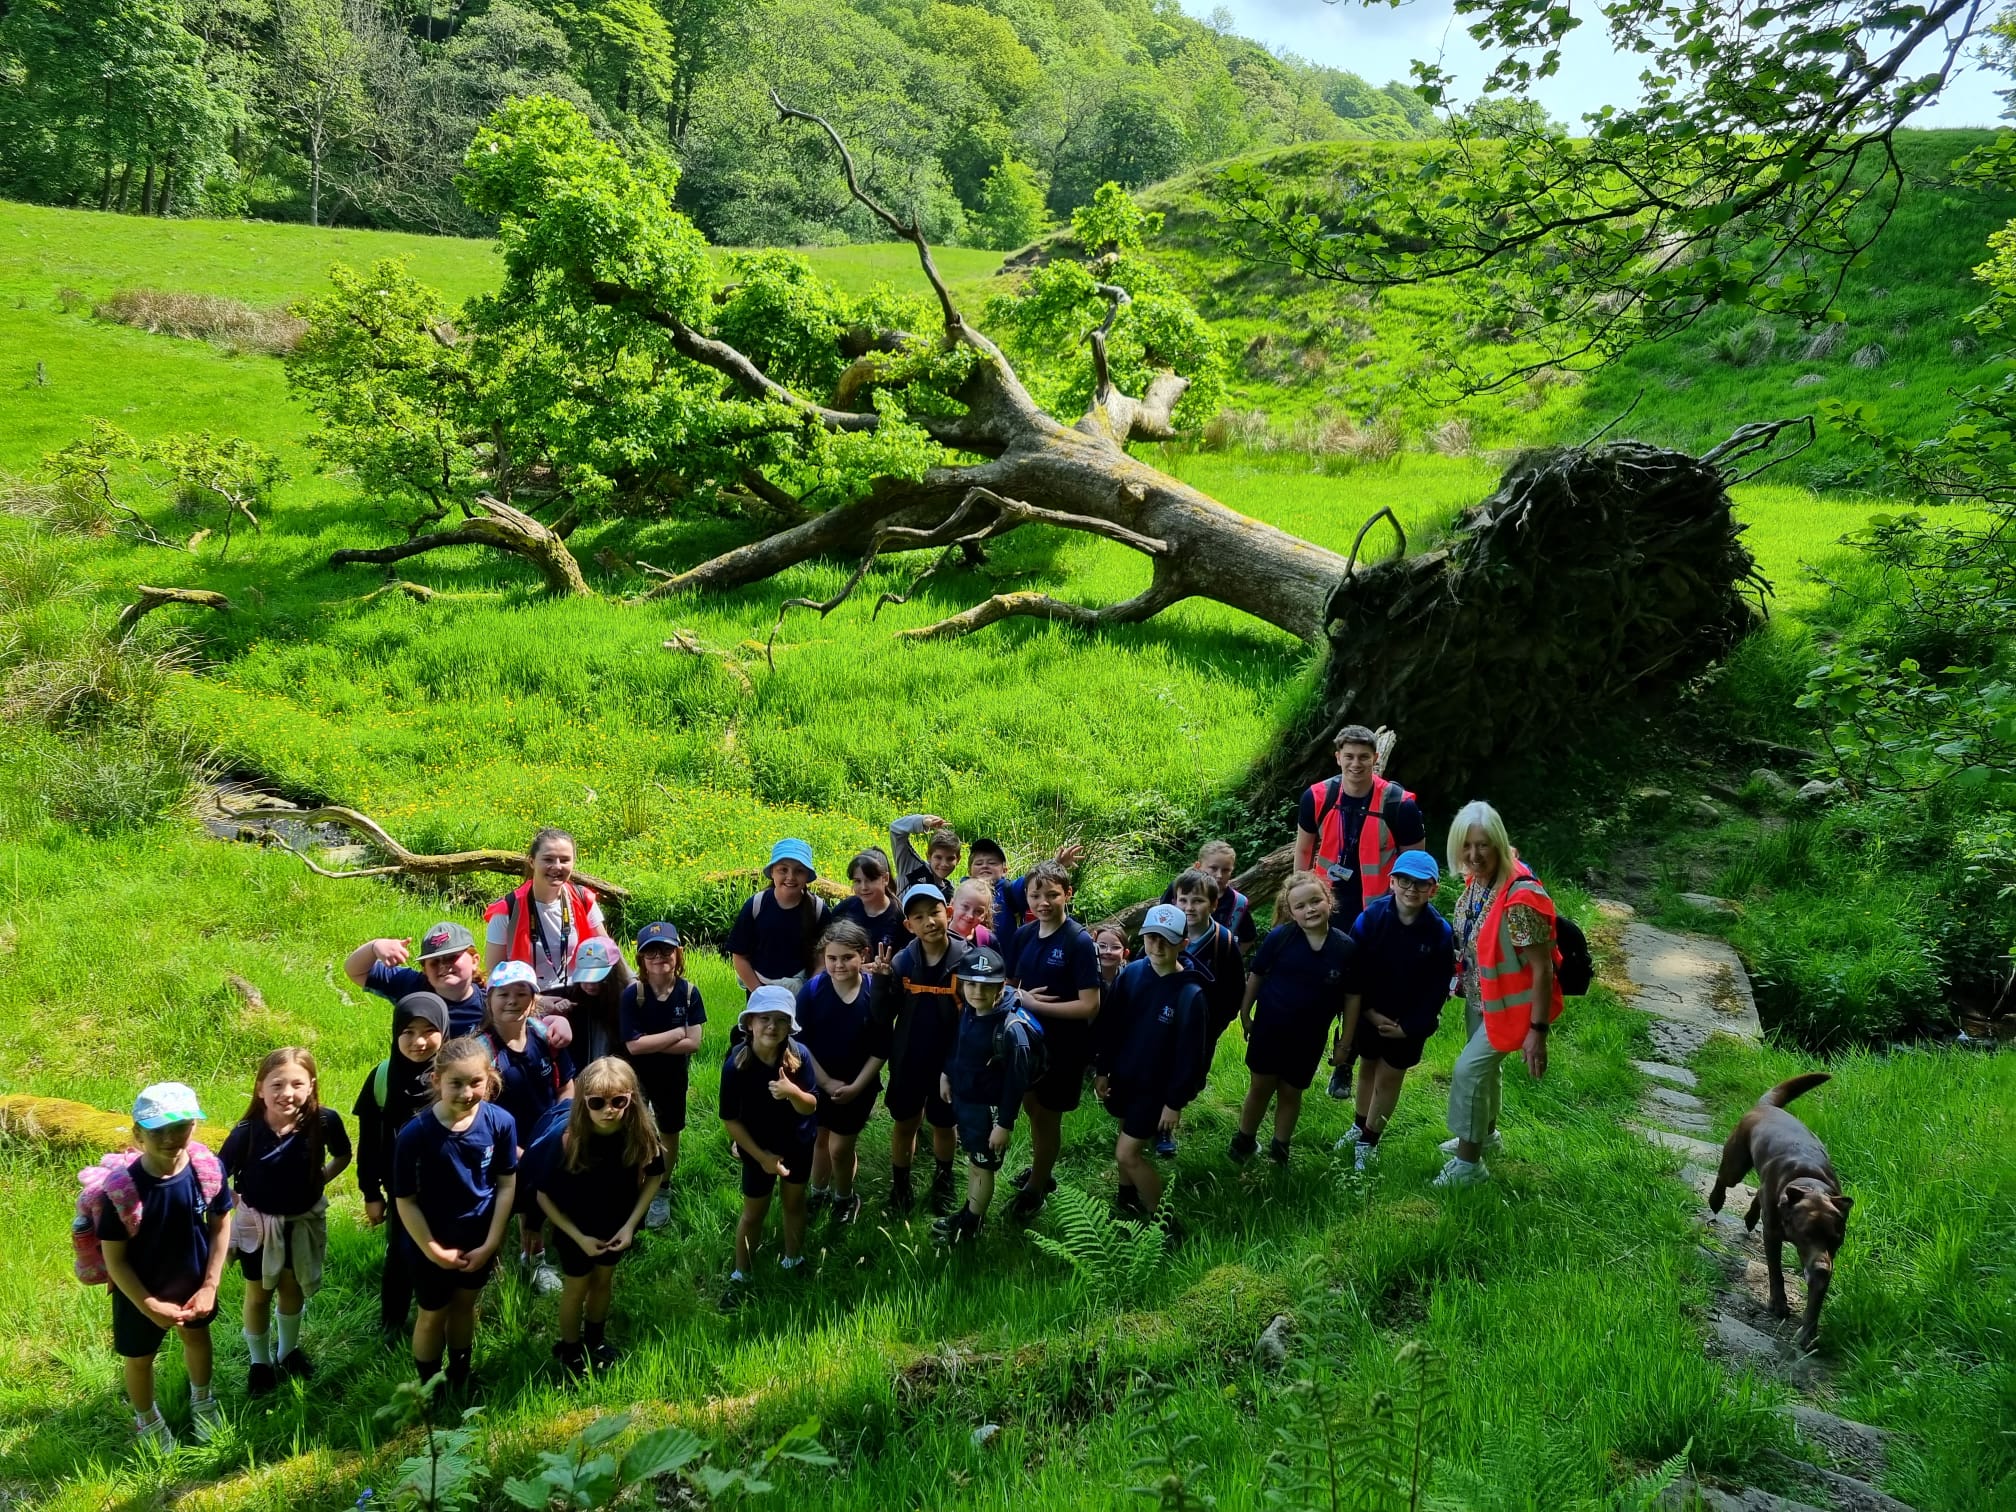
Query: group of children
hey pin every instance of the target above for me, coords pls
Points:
(961, 1005)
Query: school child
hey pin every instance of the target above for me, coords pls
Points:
(399, 1087)
(768, 1103)
(454, 1173)
(447, 969)
(776, 935)
(941, 852)
(836, 1020)
(998, 1051)
(1111, 942)
(1232, 908)
(153, 1227)
(987, 862)
(660, 1019)
(919, 1019)
(1054, 968)
(1298, 981)
(1404, 957)
(1152, 1052)
(283, 1152)
(600, 1176)
(596, 980)
(972, 907)
(532, 1077)
(874, 908)
(1213, 948)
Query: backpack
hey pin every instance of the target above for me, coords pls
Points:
(1576, 970)
(1038, 1046)
(111, 1180)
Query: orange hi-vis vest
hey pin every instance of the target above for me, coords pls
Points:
(517, 906)
(1376, 848)
(1505, 982)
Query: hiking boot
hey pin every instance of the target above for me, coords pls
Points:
(571, 1358)
(1128, 1203)
(659, 1213)
(1029, 1201)
(156, 1435)
(1340, 1084)
(1461, 1172)
(954, 1227)
(1366, 1156)
(295, 1364)
(943, 1190)
(1020, 1179)
(1448, 1146)
(1350, 1139)
(602, 1356)
(1241, 1149)
(260, 1380)
(847, 1209)
(902, 1197)
(1277, 1151)
(1165, 1146)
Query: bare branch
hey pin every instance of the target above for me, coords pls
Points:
(153, 598)
(1159, 595)
(413, 863)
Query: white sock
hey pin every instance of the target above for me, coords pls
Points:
(288, 1325)
(822, 1191)
(199, 1396)
(257, 1346)
(147, 1419)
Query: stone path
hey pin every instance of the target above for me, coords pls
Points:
(1695, 987)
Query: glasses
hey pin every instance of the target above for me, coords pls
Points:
(1414, 884)
(616, 1104)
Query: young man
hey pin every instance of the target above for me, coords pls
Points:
(1402, 964)
(165, 1269)
(919, 1021)
(1219, 861)
(992, 1061)
(941, 852)
(1151, 1059)
(1215, 961)
(1353, 826)
(1054, 966)
(447, 969)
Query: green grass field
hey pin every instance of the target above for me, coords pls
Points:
(1573, 1283)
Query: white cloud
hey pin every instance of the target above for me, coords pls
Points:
(1379, 42)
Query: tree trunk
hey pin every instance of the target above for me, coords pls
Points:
(147, 188)
(167, 198)
(125, 185)
(498, 526)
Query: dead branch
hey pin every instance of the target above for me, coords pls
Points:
(153, 598)
(1027, 603)
(685, 642)
(413, 863)
(1359, 539)
(495, 524)
(420, 593)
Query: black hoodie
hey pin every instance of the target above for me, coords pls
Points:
(1152, 1033)
(407, 1092)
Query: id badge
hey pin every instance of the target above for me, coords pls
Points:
(1340, 873)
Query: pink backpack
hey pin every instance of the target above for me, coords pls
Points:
(111, 1180)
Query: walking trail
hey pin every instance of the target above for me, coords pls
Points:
(1695, 987)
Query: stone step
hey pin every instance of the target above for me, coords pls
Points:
(1699, 1151)
(1856, 1445)
(1680, 1076)
(1843, 1492)
(1748, 1347)
(1686, 1495)
(1692, 985)
(1674, 1118)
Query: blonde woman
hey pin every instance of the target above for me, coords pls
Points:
(1506, 956)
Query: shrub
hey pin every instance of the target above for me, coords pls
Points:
(230, 323)
(1229, 428)
(113, 781)
(1822, 343)
(1452, 438)
(1745, 345)
(1870, 356)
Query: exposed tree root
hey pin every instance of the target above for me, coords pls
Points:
(153, 598)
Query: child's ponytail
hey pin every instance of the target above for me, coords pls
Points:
(470, 1047)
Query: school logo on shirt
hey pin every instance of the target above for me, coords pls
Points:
(483, 1161)
(1333, 975)
(1056, 956)
(1168, 1014)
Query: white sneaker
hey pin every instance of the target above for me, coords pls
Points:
(545, 1279)
(1366, 1155)
(1348, 1142)
(660, 1212)
(156, 1435)
(204, 1416)
(1461, 1172)
(1490, 1143)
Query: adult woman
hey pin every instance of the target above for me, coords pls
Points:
(543, 920)
(1505, 947)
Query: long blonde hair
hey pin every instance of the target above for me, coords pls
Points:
(308, 1118)
(610, 1077)
(1477, 814)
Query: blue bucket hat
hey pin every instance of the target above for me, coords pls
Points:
(790, 850)
(1417, 864)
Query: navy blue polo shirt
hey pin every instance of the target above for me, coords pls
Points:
(1155, 1045)
(885, 928)
(840, 1035)
(532, 1077)
(453, 1175)
(1062, 965)
(1301, 987)
(778, 941)
(171, 1247)
(395, 982)
(278, 1174)
(643, 1012)
(773, 1122)
(1403, 970)
(1011, 906)
(599, 1198)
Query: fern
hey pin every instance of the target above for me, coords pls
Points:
(1339, 1455)
(1648, 1490)
(1109, 1258)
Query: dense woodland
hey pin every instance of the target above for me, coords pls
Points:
(990, 118)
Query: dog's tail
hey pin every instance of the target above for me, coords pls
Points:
(1798, 1086)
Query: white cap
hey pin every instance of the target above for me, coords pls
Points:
(513, 974)
(770, 998)
(1168, 921)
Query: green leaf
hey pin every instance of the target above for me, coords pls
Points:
(534, 1494)
(661, 1453)
(602, 1430)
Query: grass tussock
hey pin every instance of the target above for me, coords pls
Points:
(229, 323)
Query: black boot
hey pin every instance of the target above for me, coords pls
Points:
(901, 1196)
(572, 1358)
(943, 1191)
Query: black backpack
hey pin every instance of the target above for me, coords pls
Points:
(1576, 970)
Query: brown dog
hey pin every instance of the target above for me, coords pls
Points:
(1798, 1195)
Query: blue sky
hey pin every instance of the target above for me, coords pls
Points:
(1379, 41)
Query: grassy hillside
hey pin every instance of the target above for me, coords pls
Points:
(1312, 352)
(470, 719)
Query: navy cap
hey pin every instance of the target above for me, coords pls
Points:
(661, 933)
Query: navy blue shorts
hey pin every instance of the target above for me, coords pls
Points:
(434, 1288)
(976, 1128)
(914, 1097)
(135, 1336)
(1289, 1051)
(1140, 1115)
(1401, 1054)
(757, 1182)
(848, 1117)
(575, 1261)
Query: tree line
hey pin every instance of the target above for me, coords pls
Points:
(988, 119)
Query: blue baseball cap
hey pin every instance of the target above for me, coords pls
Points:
(790, 850)
(661, 933)
(923, 892)
(1419, 865)
(594, 959)
(166, 1103)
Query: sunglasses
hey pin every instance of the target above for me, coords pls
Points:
(616, 1104)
